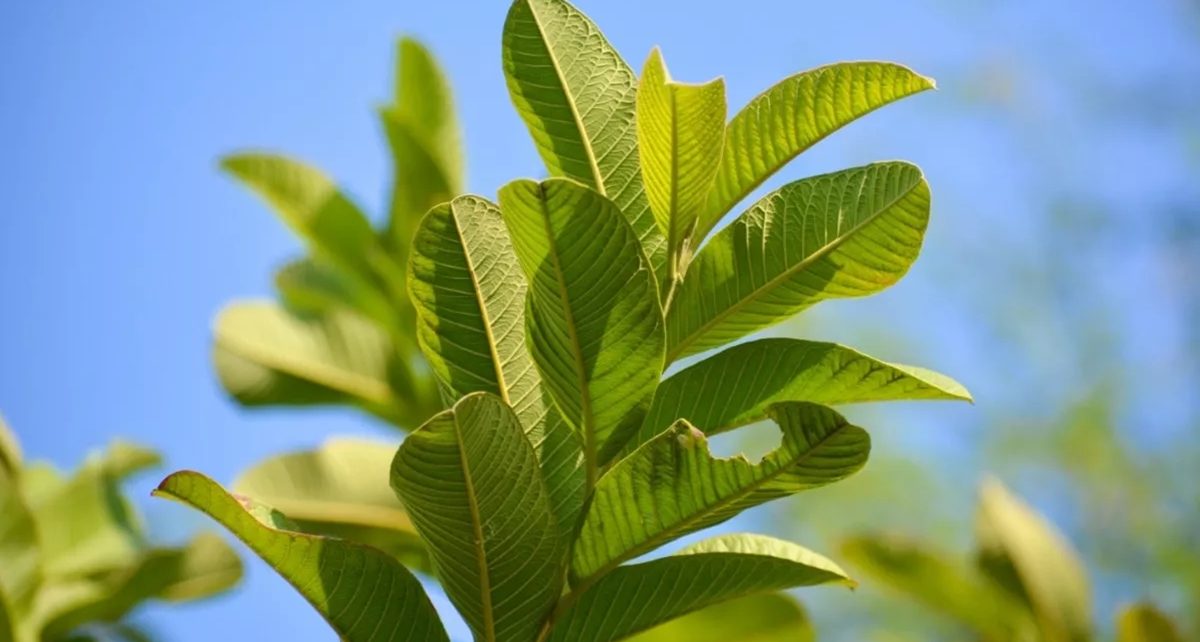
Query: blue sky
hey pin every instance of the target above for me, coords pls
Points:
(119, 240)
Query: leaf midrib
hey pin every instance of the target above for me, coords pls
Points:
(501, 384)
(676, 529)
(673, 211)
(485, 583)
(585, 137)
(819, 253)
(585, 397)
(718, 211)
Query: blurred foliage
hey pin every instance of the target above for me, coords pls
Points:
(1026, 582)
(1078, 297)
(342, 331)
(74, 560)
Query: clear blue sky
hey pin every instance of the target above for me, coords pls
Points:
(119, 240)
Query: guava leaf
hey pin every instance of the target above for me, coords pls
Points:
(470, 480)
(846, 234)
(579, 100)
(707, 573)
(469, 293)
(363, 593)
(593, 321)
(673, 485)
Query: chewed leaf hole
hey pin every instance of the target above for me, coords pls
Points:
(753, 441)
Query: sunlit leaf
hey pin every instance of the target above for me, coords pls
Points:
(10, 450)
(765, 617)
(340, 489)
(265, 356)
(708, 573)
(469, 294)
(426, 144)
(363, 593)
(795, 114)
(673, 485)
(204, 567)
(1145, 623)
(332, 226)
(470, 480)
(735, 386)
(1018, 544)
(850, 233)
(578, 99)
(85, 526)
(594, 323)
(19, 548)
(313, 287)
(681, 129)
(934, 579)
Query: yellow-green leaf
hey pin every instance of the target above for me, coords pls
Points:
(704, 574)
(339, 489)
(794, 115)
(1145, 623)
(846, 234)
(578, 99)
(364, 594)
(765, 617)
(681, 129)
(310, 204)
(673, 486)
(934, 579)
(735, 386)
(265, 356)
(426, 144)
(1016, 542)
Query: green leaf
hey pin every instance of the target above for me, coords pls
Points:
(8, 619)
(363, 593)
(339, 489)
(1144, 623)
(735, 386)
(794, 115)
(681, 129)
(85, 526)
(470, 481)
(204, 567)
(946, 586)
(123, 459)
(426, 144)
(469, 293)
(315, 209)
(593, 320)
(764, 617)
(20, 560)
(312, 287)
(850, 233)
(673, 485)
(10, 450)
(265, 356)
(578, 99)
(1018, 544)
(708, 573)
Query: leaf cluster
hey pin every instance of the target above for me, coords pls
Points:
(530, 336)
(74, 560)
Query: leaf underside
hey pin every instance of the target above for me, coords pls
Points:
(363, 593)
